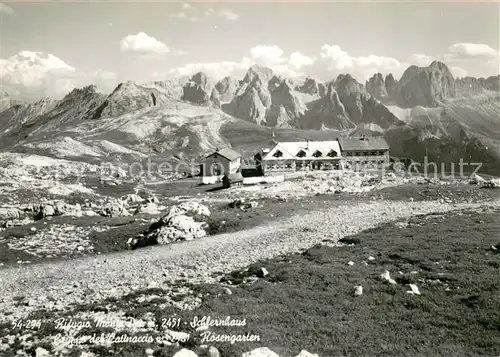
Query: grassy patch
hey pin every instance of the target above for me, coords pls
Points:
(307, 300)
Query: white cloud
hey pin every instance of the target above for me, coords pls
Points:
(269, 56)
(228, 14)
(209, 12)
(32, 75)
(181, 53)
(178, 15)
(298, 60)
(4, 9)
(472, 50)
(266, 54)
(333, 60)
(194, 18)
(143, 44)
(421, 60)
(186, 6)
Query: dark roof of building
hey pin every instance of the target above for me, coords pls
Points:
(363, 143)
(228, 153)
(236, 177)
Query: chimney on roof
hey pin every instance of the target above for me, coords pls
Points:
(307, 142)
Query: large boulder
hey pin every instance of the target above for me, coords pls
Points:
(10, 213)
(56, 208)
(183, 222)
(114, 208)
(132, 199)
(180, 228)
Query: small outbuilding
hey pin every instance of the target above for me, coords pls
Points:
(222, 161)
(232, 179)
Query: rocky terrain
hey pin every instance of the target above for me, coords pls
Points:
(184, 252)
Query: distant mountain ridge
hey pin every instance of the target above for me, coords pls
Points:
(426, 108)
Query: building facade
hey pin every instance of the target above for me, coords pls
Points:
(222, 161)
(364, 152)
(287, 157)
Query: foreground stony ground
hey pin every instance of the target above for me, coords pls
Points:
(72, 261)
(60, 287)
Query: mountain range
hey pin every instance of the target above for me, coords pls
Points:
(427, 112)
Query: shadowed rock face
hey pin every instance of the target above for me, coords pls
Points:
(262, 73)
(310, 86)
(345, 105)
(426, 86)
(376, 86)
(227, 88)
(286, 106)
(469, 85)
(200, 90)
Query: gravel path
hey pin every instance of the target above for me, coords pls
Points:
(115, 274)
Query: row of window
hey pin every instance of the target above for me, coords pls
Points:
(289, 166)
(302, 153)
(369, 162)
(365, 153)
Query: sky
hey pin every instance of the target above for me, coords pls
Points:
(54, 46)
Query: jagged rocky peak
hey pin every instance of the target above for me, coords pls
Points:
(274, 82)
(227, 88)
(347, 86)
(310, 86)
(426, 86)
(201, 79)
(285, 105)
(391, 85)
(260, 72)
(128, 97)
(201, 90)
(376, 86)
(492, 83)
(467, 86)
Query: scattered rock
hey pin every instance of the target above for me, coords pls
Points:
(185, 353)
(476, 180)
(132, 199)
(149, 208)
(304, 353)
(351, 263)
(414, 290)
(213, 352)
(149, 351)
(227, 291)
(386, 276)
(350, 240)
(113, 208)
(10, 213)
(371, 258)
(56, 208)
(243, 205)
(262, 273)
(260, 352)
(358, 290)
(41, 352)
